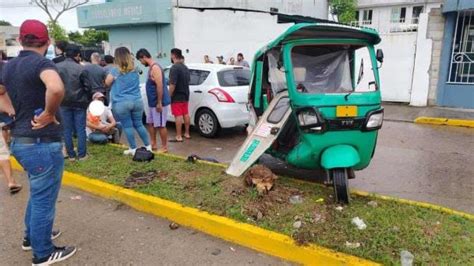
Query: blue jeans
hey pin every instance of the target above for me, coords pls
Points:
(44, 164)
(129, 114)
(74, 119)
(98, 138)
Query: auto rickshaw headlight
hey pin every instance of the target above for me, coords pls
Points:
(307, 118)
(374, 120)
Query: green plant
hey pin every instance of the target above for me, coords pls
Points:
(5, 23)
(90, 37)
(57, 32)
(344, 10)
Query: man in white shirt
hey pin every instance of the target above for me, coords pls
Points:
(104, 127)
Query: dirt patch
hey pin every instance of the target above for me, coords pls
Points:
(269, 204)
(137, 179)
(261, 177)
(188, 176)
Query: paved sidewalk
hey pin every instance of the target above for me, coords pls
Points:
(110, 233)
(406, 113)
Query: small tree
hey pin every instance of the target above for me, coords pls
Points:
(344, 10)
(5, 23)
(57, 32)
(55, 8)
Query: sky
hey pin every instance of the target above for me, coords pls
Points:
(16, 11)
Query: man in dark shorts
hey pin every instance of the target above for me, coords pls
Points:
(158, 100)
(36, 91)
(179, 92)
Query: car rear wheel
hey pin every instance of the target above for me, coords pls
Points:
(207, 123)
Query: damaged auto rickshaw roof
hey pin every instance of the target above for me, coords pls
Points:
(302, 31)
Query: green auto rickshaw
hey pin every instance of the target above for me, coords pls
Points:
(315, 102)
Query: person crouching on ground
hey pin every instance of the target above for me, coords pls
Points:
(74, 105)
(104, 127)
(158, 100)
(126, 98)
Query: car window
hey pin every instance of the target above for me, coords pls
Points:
(234, 77)
(197, 76)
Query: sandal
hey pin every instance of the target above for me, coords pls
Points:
(175, 140)
(15, 189)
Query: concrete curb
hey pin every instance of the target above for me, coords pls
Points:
(445, 121)
(414, 203)
(247, 235)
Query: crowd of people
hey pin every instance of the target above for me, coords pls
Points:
(220, 60)
(50, 102)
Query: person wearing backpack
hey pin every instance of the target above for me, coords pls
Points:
(126, 99)
(158, 100)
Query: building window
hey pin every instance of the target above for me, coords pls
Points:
(415, 15)
(462, 58)
(367, 18)
(398, 15)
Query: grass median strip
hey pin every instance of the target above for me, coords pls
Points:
(432, 236)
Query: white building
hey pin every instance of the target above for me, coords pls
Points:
(8, 42)
(198, 27)
(412, 33)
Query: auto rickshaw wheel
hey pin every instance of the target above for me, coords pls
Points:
(341, 185)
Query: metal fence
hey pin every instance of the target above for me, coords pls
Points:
(461, 70)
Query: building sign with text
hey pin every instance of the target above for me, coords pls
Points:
(134, 12)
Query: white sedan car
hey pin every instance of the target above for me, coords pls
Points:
(218, 97)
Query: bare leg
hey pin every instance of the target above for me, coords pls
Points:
(152, 133)
(5, 165)
(164, 139)
(179, 127)
(187, 124)
(7, 171)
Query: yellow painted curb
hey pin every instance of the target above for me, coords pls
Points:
(445, 121)
(414, 203)
(240, 233)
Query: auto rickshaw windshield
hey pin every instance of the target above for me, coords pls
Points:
(332, 69)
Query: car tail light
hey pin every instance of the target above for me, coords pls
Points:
(222, 95)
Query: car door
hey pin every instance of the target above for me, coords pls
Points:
(196, 90)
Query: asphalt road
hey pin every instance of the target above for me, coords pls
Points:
(109, 233)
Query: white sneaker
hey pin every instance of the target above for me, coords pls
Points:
(148, 148)
(129, 152)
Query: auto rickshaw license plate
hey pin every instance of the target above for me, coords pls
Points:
(346, 111)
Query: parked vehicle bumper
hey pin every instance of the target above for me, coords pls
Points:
(232, 114)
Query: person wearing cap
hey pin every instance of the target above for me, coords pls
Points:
(179, 78)
(36, 90)
(103, 127)
(75, 103)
